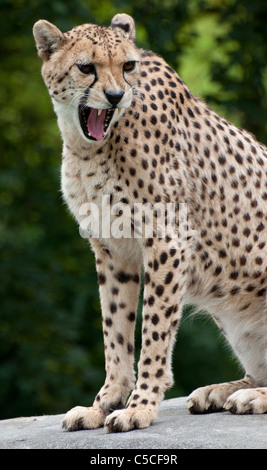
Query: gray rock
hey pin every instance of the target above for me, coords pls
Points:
(174, 428)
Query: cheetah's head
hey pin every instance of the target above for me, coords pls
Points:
(90, 72)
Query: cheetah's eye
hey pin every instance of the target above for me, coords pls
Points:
(86, 68)
(129, 66)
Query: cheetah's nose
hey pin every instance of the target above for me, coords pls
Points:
(114, 97)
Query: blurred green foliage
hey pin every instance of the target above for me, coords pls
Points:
(51, 347)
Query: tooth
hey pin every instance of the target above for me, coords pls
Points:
(99, 111)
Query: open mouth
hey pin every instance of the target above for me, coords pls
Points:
(94, 122)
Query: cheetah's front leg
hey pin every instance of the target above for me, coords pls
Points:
(163, 286)
(119, 291)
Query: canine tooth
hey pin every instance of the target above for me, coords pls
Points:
(99, 111)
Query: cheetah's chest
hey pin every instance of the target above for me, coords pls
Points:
(88, 190)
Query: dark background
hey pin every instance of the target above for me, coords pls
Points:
(51, 347)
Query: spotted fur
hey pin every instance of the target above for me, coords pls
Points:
(162, 145)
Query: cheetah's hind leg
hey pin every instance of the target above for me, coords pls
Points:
(213, 397)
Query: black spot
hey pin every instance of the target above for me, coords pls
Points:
(101, 279)
(131, 316)
(222, 253)
(239, 159)
(159, 290)
(163, 257)
(168, 278)
(123, 277)
(234, 275)
(130, 348)
(120, 338)
(149, 242)
(235, 290)
(113, 307)
(155, 265)
(144, 164)
(147, 278)
(159, 373)
(153, 120)
(169, 311)
(190, 112)
(218, 270)
(108, 322)
(144, 386)
(155, 318)
(163, 118)
(175, 287)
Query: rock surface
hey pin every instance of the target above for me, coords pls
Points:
(174, 428)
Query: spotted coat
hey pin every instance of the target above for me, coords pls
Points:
(133, 131)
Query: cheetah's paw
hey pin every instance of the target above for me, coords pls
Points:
(82, 417)
(127, 419)
(249, 401)
(208, 399)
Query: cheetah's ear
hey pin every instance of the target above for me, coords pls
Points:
(48, 38)
(125, 24)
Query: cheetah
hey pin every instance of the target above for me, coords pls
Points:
(134, 133)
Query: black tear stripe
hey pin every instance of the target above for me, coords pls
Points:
(86, 92)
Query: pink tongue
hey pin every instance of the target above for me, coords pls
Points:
(95, 123)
